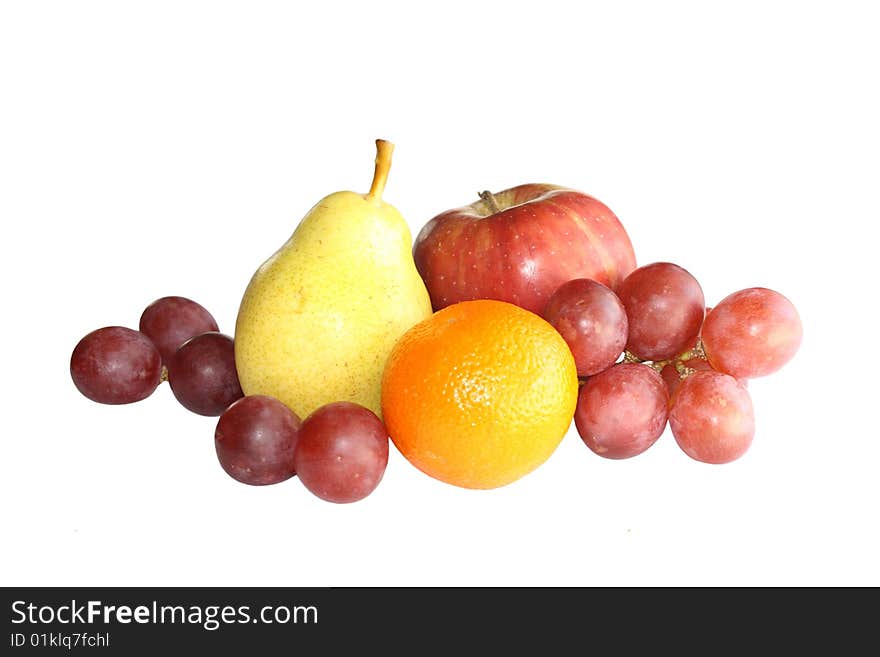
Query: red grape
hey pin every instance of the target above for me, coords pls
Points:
(171, 321)
(255, 439)
(672, 377)
(342, 452)
(116, 365)
(622, 411)
(752, 333)
(665, 309)
(202, 374)
(592, 320)
(711, 417)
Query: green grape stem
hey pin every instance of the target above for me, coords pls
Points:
(683, 370)
(630, 357)
(694, 353)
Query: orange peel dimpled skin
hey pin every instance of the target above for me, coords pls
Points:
(479, 394)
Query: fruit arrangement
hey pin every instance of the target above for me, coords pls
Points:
(472, 348)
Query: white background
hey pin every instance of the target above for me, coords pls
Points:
(149, 149)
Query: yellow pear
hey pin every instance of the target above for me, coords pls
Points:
(320, 316)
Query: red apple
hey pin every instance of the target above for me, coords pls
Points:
(520, 245)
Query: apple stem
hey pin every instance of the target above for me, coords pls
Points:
(383, 165)
(489, 198)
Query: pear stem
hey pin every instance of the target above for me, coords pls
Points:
(383, 165)
(489, 198)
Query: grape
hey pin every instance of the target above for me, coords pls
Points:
(672, 377)
(341, 452)
(202, 374)
(591, 320)
(622, 411)
(116, 365)
(665, 309)
(171, 321)
(255, 438)
(752, 333)
(711, 417)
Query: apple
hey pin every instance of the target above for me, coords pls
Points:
(519, 245)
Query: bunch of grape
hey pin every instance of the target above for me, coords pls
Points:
(339, 452)
(653, 354)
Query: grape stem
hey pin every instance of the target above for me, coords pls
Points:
(630, 357)
(683, 370)
(694, 353)
(658, 365)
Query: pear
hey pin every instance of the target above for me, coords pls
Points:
(320, 316)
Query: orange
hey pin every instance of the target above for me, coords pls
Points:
(479, 394)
